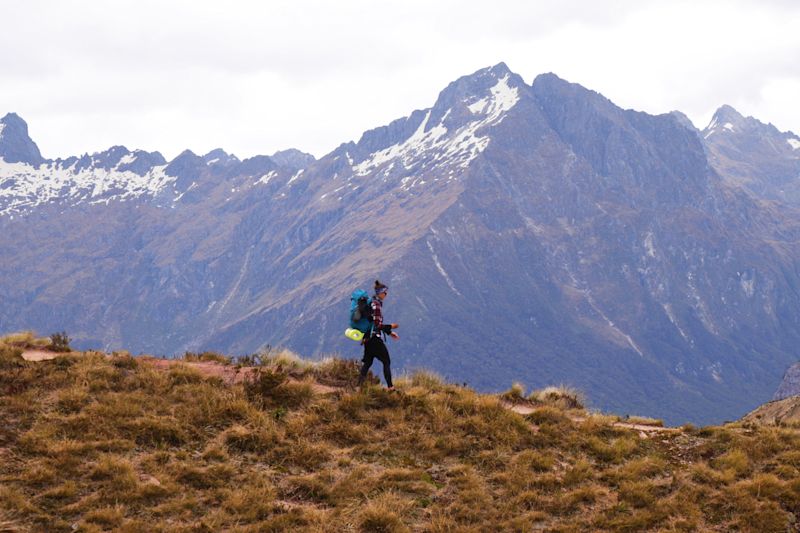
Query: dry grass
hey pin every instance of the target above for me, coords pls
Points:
(515, 394)
(284, 358)
(208, 357)
(25, 339)
(111, 443)
(563, 397)
(644, 421)
(337, 372)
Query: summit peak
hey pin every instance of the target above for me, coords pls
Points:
(292, 158)
(499, 70)
(726, 118)
(219, 156)
(490, 84)
(11, 118)
(728, 111)
(16, 146)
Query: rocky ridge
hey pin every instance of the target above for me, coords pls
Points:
(790, 386)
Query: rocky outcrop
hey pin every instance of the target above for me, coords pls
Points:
(15, 144)
(776, 413)
(790, 386)
(292, 159)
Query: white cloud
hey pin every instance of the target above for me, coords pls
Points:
(254, 77)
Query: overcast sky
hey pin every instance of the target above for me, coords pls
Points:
(254, 77)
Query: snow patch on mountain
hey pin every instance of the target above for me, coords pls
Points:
(266, 178)
(479, 106)
(295, 176)
(649, 246)
(504, 97)
(714, 127)
(431, 146)
(671, 315)
(441, 269)
(23, 187)
(127, 159)
(748, 285)
(794, 143)
(415, 145)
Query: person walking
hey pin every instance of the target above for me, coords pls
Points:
(374, 347)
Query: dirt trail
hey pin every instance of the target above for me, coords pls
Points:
(227, 373)
(231, 374)
(40, 355)
(524, 409)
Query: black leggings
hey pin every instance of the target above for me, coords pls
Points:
(376, 349)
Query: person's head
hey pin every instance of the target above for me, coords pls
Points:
(380, 289)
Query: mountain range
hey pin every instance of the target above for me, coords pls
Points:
(533, 232)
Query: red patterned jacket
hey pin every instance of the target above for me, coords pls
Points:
(378, 326)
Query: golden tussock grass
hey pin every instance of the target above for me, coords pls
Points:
(562, 396)
(644, 421)
(113, 443)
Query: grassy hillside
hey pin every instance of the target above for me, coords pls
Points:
(91, 442)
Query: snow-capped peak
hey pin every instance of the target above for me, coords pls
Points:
(454, 135)
(725, 119)
(502, 98)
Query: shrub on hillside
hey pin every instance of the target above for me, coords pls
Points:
(59, 342)
(284, 359)
(562, 396)
(515, 394)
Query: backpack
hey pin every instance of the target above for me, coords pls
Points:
(360, 311)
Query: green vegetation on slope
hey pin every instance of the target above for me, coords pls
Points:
(97, 443)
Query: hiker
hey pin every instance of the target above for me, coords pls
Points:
(374, 346)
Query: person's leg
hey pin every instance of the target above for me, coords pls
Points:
(382, 353)
(366, 361)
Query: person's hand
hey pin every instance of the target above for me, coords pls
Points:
(394, 335)
(395, 326)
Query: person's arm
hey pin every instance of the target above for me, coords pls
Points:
(377, 320)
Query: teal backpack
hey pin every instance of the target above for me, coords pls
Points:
(361, 311)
